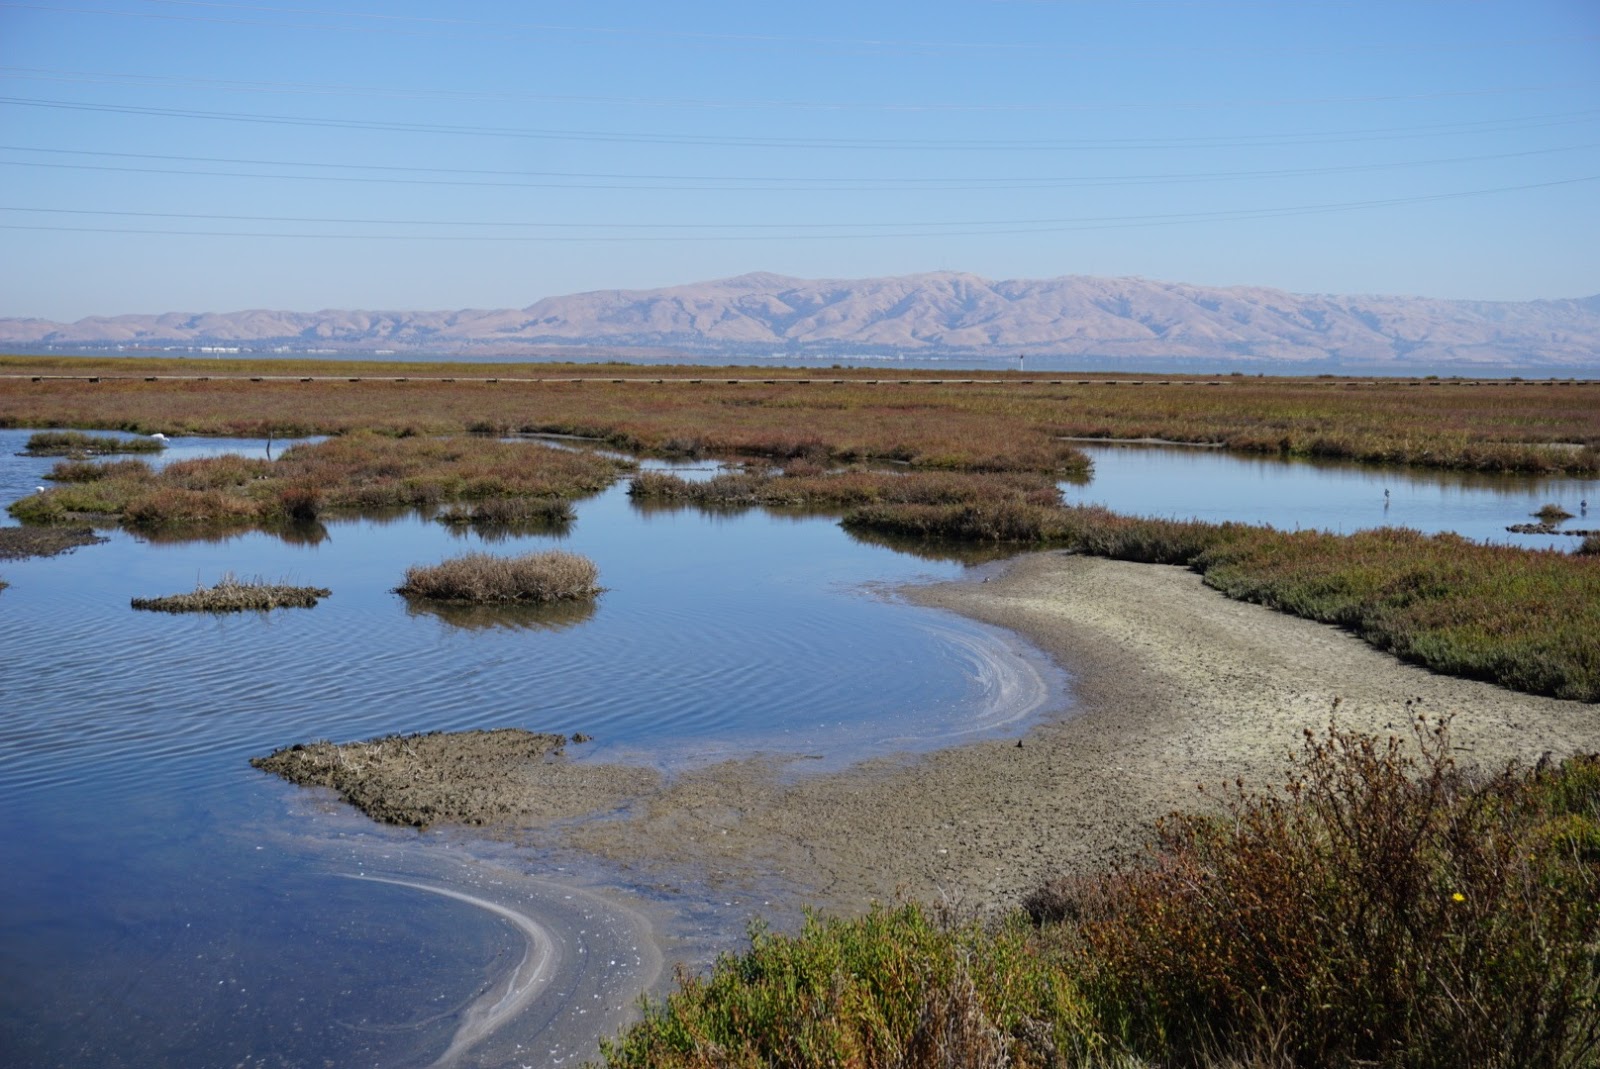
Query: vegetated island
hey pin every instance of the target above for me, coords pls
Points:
(486, 579)
(78, 444)
(233, 594)
(360, 471)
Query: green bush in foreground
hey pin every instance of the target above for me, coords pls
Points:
(1385, 908)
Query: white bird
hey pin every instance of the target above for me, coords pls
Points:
(158, 436)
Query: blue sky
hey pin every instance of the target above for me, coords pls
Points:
(181, 155)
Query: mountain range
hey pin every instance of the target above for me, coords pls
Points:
(938, 314)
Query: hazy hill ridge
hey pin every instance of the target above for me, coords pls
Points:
(944, 312)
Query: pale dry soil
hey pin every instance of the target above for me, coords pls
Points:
(1174, 686)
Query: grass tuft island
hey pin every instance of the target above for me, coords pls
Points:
(233, 594)
(486, 579)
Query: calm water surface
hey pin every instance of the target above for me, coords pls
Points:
(165, 904)
(1208, 484)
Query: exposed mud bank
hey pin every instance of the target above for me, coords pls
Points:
(506, 776)
(1175, 685)
(17, 543)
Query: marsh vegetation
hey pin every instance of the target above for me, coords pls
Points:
(486, 579)
(840, 416)
(356, 472)
(1383, 907)
(77, 444)
(233, 594)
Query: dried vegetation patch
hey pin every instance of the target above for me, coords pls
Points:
(232, 594)
(486, 579)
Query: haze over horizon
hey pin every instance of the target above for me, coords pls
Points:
(207, 156)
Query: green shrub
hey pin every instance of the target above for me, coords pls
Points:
(1384, 908)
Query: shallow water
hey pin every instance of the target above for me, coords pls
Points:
(168, 904)
(1208, 484)
(165, 904)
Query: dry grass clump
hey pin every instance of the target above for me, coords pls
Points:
(1385, 907)
(1590, 546)
(485, 579)
(232, 594)
(1553, 513)
(360, 471)
(845, 489)
(17, 543)
(76, 443)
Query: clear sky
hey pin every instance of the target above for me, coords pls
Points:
(185, 155)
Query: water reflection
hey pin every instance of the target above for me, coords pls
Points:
(1176, 483)
(553, 617)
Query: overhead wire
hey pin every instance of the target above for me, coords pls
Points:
(853, 144)
(724, 183)
(997, 227)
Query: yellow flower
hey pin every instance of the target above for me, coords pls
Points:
(1458, 897)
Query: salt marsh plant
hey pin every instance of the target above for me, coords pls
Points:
(486, 579)
(845, 489)
(76, 443)
(1383, 907)
(1553, 513)
(924, 419)
(356, 472)
(539, 513)
(1525, 619)
(233, 594)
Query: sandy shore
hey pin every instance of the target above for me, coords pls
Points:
(1174, 685)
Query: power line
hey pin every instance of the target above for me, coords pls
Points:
(728, 183)
(435, 27)
(996, 228)
(855, 144)
(169, 81)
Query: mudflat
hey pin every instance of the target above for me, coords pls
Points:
(1174, 685)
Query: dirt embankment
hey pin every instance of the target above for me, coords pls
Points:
(1175, 685)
